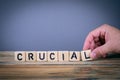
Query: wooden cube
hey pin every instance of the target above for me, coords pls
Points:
(63, 55)
(20, 56)
(52, 56)
(42, 56)
(74, 56)
(86, 55)
(31, 56)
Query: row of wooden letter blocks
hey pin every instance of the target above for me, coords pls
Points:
(53, 55)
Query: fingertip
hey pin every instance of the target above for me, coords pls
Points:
(85, 48)
(86, 45)
(93, 55)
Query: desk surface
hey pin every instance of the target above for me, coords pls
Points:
(108, 68)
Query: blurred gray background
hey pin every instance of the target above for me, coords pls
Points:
(53, 24)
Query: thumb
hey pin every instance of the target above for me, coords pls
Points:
(100, 51)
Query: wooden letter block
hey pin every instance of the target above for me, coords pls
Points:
(41, 55)
(86, 55)
(63, 55)
(20, 56)
(52, 56)
(31, 56)
(74, 56)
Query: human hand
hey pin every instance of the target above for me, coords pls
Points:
(103, 40)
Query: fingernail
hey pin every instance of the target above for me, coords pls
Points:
(93, 55)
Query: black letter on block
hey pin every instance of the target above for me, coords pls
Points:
(52, 58)
(42, 57)
(74, 55)
(86, 56)
(30, 55)
(18, 56)
(63, 56)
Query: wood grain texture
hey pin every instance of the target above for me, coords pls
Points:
(108, 68)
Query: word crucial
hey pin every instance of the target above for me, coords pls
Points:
(51, 56)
